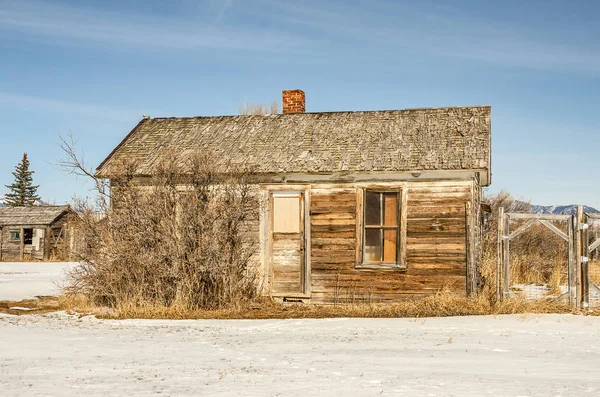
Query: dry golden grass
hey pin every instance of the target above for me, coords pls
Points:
(440, 305)
(595, 272)
(39, 306)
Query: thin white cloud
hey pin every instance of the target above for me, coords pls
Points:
(79, 24)
(440, 29)
(221, 6)
(68, 107)
(372, 31)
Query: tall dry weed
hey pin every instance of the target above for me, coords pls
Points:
(176, 240)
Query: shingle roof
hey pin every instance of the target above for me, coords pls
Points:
(453, 138)
(36, 215)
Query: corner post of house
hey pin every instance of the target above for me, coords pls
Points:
(307, 268)
(22, 245)
(506, 254)
(469, 248)
(71, 234)
(47, 243)
(499, 251)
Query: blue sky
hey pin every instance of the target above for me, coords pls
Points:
(93, 68)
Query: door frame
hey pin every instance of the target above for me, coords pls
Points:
(266, 222)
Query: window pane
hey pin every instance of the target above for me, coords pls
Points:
(390, 209)
(389, 245)
(372, 245)
(372, 209)
(286, 214)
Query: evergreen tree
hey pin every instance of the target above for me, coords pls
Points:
(22, 192)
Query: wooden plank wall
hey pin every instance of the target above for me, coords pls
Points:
(11, 250)
(436, 251)
(333, 243)
(286, 261)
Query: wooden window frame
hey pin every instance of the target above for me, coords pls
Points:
(10, 234)
(400, 227)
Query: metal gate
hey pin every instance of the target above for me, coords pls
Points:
(581, 232)
(549, 281)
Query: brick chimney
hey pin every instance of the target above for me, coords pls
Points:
(293, 101)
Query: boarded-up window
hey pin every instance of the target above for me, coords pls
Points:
(286, 214)
(381, 229)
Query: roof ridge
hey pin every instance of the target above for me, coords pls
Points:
(314, 113)
(35, 206)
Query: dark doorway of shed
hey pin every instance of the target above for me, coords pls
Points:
(27, 236)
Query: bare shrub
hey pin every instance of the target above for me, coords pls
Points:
(177, 239)
(259, 109)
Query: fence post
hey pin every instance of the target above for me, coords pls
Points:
(499, 253)
(506, 241)
(571, 270)
(585, 264)
(579, 252)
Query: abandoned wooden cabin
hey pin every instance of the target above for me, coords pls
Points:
(35, 233)
(377, 205)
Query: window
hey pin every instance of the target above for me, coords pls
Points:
(286, 213)
(381, 231)
(15, 235)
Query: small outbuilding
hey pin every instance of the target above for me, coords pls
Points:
(36, 233)
(377, 205)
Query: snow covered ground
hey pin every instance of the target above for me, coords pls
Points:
(25, 280)
(533, 355)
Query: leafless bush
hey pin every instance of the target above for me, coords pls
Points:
(178, 239)
(259, 109)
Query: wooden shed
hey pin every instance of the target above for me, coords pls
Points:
(36, 232)
(375, 205)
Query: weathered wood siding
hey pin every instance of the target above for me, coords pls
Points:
(286, 262)
(9, 250)
(55, 243)
(333, 243)
(435, 245)
(59, 239)
(436, 236)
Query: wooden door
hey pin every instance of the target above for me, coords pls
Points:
(287, 244)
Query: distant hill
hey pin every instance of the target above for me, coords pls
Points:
(561, 209)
